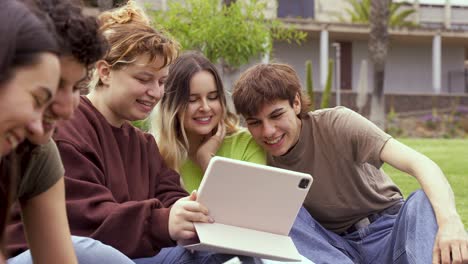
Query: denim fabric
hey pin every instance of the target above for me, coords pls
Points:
(91, 251)
(407, 237)
(88, 251)
(182, 256)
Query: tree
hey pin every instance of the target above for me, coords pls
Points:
(378, 47)
(360, 13)
(230, 35)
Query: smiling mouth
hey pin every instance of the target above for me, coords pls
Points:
(13, 140)
(48, 121)
(274, 141)
(146, 103)
(203, 119)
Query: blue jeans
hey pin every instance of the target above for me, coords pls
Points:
(88, 251)
(182, 256)
(406, 237)
(91, 251)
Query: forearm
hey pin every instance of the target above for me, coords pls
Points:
(136, 228)
(203, 159)
(46, 227)
(437, 189)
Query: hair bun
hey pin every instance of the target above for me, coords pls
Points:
(128, 13)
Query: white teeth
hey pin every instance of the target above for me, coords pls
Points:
(48, 120)
(12, 140)
(274, 141)
(203, 119)
(145, 103)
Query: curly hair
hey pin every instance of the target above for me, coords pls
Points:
(76, 34)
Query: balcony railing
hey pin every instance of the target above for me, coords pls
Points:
(296, 8)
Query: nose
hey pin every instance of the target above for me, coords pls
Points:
(63, 105)
(156, 91)
(35, 127)
(268, 129)
(204, 105)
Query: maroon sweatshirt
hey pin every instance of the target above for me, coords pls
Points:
(118, 188)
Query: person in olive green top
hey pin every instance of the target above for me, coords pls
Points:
(192, 122)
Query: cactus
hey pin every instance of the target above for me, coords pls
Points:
(310, 84)
(327, 91)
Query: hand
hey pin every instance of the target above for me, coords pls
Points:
(210, 146)
(182, 215)
(451, 244)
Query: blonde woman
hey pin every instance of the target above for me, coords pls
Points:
(192, 122)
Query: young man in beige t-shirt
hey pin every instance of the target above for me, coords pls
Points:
(359, 215)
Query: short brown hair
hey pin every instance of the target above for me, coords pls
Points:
(265, 83)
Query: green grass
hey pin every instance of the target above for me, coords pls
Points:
(452, 157)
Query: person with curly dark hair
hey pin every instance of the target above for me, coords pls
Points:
(40, 184)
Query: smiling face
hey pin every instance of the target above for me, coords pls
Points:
(130, 93)
(276, 127)
(204, 108)
(65, 101)
(24, 99)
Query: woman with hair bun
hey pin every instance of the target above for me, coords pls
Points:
(119, 190)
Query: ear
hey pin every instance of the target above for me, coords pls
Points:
(103, 70)
(297, 104)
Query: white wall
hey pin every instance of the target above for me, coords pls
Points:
(408, 68)
(297, 55)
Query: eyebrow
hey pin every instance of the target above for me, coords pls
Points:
(276, 111)
(145, 73)
(253, 118)
(209, 93)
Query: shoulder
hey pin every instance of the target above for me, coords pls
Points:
(41, 170)
(137, 134)
(242, 136)
(41, 154)
(336, 117)
(80, 127)
(335, 112)
(49, 149)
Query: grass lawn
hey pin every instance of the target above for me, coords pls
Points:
(452, 156)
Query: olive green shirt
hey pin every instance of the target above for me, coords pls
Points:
(41, 171)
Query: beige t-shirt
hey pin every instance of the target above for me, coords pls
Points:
(341, 150)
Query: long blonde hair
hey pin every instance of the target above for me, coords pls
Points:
(166, 120)
(129, 33)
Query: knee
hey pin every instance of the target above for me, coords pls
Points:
(89, 250)
(418, 199)
(418, 205)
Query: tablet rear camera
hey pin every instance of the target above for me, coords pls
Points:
(304, 183)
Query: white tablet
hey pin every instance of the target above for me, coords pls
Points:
(254, 207)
